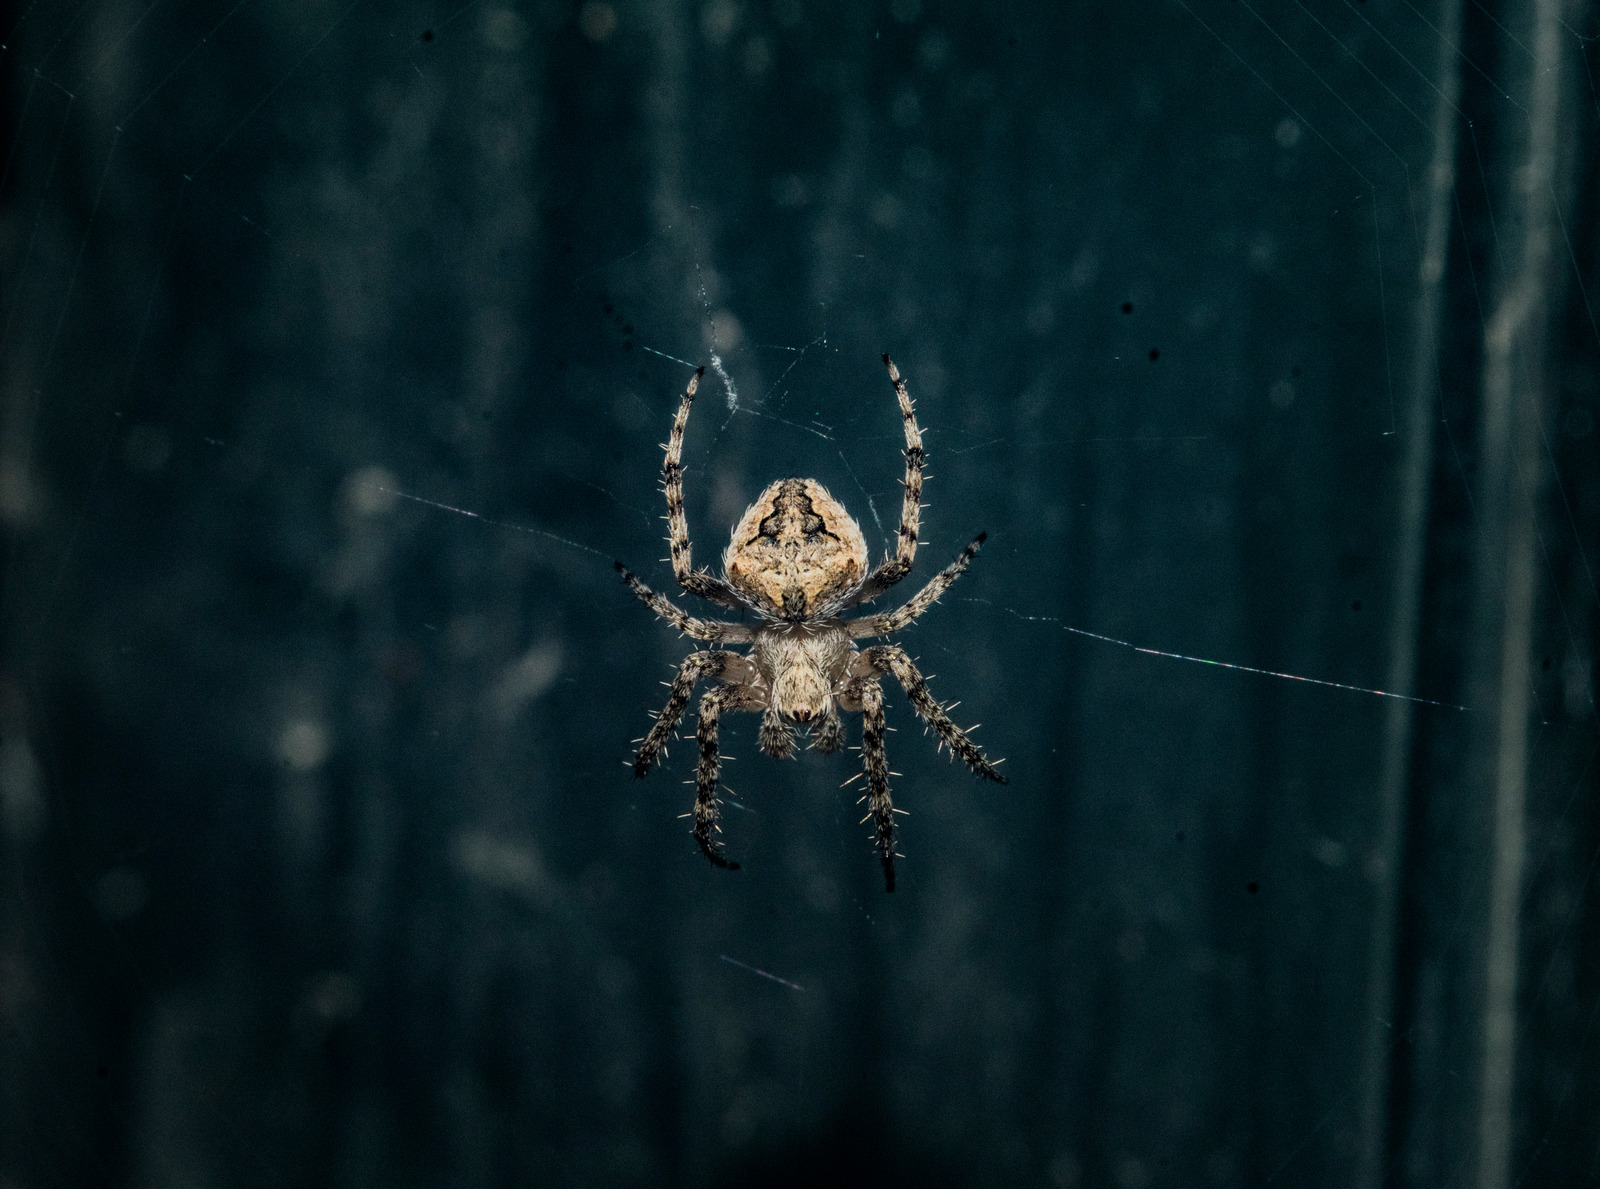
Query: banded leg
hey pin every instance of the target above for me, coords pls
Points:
(726, 666)
(705, 780)
(710, 631)
(876, 762)
(897, 567)
(901, 617)
(697, 582)
(886, 658)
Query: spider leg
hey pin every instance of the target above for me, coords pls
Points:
(711, 631)
(697, 582)
(717, 665)
(886, 658)
(876, 762)
(897, 567)
(712, 703)
(902, 617)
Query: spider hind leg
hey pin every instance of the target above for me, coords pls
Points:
(893, 569)
(697, 582)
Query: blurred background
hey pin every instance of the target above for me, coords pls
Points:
(338, 344)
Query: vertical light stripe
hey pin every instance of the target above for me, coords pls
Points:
(1513, 380)
(1388, 848)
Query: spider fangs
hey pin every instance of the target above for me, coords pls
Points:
(798, 560)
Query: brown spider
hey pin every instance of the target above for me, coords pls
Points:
(798, 559)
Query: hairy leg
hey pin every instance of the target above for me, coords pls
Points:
(717, 665)
(886, 658)
(901, 617)
(696, 582)
(876, 762)
(897, 567)
(705, 780)
(709, 631)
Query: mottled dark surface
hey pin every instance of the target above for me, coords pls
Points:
(1260, 335)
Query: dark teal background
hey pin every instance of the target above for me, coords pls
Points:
(322, 862)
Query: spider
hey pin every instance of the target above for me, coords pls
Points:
(798, 560)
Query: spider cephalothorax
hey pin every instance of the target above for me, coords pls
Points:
(798, 560)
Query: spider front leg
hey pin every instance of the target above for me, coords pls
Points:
(712, 703)
(715, 664)
(886, 658)
(876, 762)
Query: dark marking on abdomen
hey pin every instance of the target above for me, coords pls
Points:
(792, 510)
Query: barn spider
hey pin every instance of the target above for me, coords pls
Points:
(798, 559)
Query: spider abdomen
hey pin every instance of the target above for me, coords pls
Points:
(796, 554)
